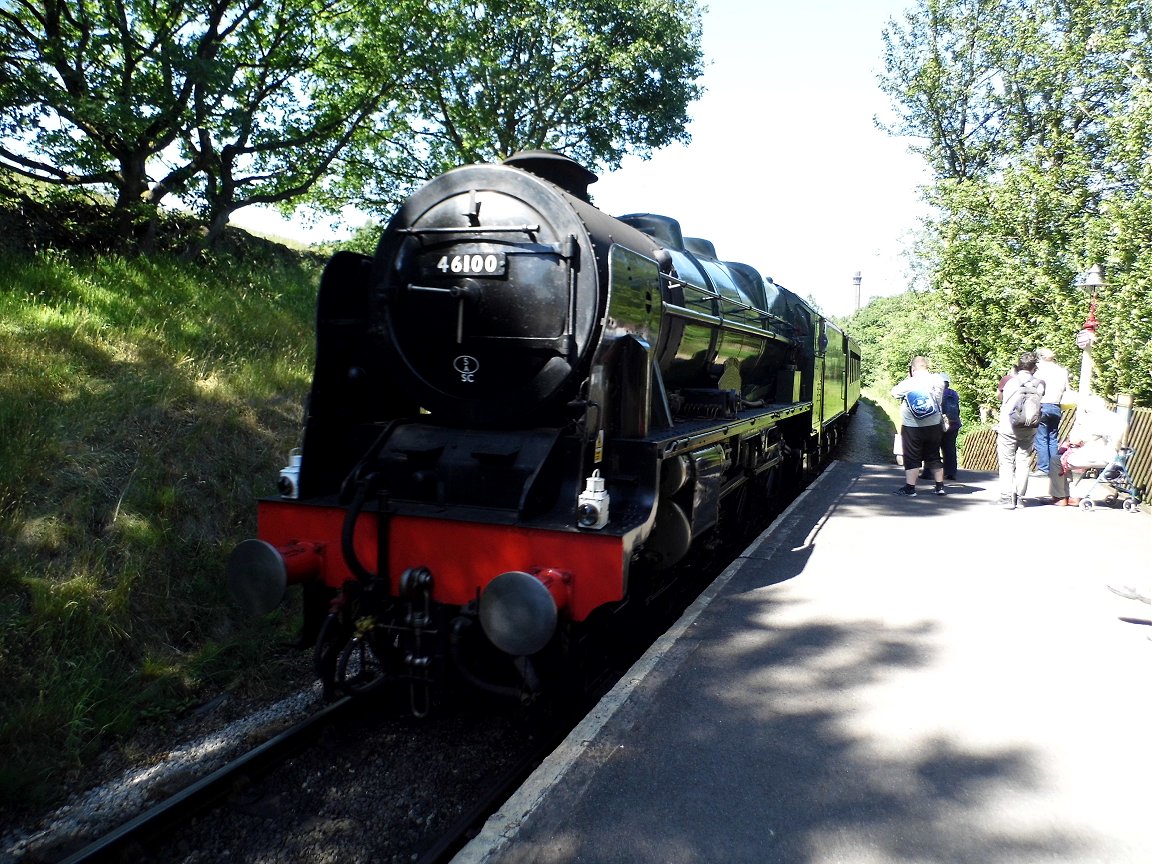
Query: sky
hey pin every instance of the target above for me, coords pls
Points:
(786, 169)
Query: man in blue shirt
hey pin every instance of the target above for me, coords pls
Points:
(1047, 444)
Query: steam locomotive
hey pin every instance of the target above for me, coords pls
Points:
(524, 413)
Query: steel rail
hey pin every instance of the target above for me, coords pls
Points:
(201, 794)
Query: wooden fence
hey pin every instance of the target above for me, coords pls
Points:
(978, 448)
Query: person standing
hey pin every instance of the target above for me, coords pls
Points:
(1007, 377)
(920, 425)
(1055, 378)
(1092, 442)
(1014, 443)
(950, 406)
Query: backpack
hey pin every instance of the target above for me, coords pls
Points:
(951, 406)
(1026, 409)
(921, 403)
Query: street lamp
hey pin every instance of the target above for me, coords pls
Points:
(1094, 280)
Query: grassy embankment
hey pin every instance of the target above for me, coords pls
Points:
(144, 404)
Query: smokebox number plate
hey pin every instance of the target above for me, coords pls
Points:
(471, 264)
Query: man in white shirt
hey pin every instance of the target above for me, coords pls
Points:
(920, 425)
(1014, 443)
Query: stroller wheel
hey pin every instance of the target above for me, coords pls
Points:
(1087, 504)
(1130, 505)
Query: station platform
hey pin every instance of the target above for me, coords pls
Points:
(876, 679)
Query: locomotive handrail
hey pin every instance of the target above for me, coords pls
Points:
(475, 229)
(720, 321)
(715, 295)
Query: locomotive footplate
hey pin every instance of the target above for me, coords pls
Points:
(692, 435)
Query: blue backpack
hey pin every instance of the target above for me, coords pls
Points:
(921, 403)
(951, 407)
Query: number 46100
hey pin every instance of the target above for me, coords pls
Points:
(492, 264)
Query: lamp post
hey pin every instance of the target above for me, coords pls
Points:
(1094, 280)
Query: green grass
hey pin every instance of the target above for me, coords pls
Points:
(144, 404)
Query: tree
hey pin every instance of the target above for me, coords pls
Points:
(234, 102)
(983, 83)
(941, 68)
(303, 86)
(245, 101)
(893, 330)
(596, 79)
(92, 90)
(1034, 119)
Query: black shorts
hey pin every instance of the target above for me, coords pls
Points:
(921, 446)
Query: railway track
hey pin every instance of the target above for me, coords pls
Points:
(454, 837)
(131, 838)
(260, 797)
(172, 829)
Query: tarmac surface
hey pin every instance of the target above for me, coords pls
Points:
(876, 679)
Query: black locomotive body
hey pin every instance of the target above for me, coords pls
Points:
(524, 412)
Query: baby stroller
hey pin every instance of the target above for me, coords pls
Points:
(1115, 476)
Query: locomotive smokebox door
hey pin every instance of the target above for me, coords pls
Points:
(484, 298)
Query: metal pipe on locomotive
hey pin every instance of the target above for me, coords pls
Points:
(523, 413)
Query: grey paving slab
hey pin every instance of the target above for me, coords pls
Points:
(876, 679)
